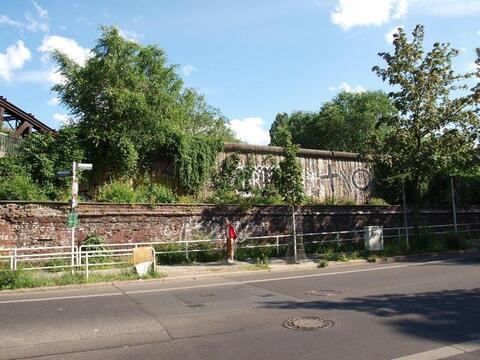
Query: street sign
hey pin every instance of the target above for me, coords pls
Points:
(84, 166)
(64, 173)
(72, 220)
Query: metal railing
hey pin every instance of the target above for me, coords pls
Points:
(8, 144)
(102, 255)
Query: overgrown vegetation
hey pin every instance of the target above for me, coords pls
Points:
(18, 279)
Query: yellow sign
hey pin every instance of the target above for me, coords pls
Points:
(142, 255)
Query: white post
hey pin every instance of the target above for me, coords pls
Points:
(15, 259)
(453, 205)
(86, 266)
(72, 208)
(294, 234)
(278, 247)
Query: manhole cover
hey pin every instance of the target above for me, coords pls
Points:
(308, 323)
(323, 292)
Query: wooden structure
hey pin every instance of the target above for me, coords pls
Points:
(18, 122)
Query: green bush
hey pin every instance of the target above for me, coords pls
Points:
(209, 252)
(20, 187)
(255, 253)
(378, 202)
(9, 279)
(155, 193)
(100, 257)
(170, 258)
(457, 242)
(117, 191)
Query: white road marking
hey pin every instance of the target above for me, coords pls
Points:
(229, 283)
(445, 352)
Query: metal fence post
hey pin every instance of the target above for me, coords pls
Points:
(453, 205)
(405, 214)
(186, 250)
(11, 262)
(15, 259)
(337, 239)
(278, 246)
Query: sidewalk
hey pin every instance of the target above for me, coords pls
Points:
(199, 270)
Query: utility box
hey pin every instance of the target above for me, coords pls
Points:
(373, 237)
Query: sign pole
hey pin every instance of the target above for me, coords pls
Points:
(72, 220)
(72, 208)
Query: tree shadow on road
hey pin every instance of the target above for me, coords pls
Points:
(451, 316)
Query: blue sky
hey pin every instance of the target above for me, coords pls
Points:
(251, 59)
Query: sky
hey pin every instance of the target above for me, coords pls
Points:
(252, 59)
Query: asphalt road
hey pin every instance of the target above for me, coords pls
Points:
(380, 311)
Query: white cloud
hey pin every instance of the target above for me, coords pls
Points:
(250, 130)
(472, 66)
(344, 86)
(50, 76)
(53, 101)
(31, 23)
(129, 35)
(62, 118)
(188, 70)
(4, 19)
(40, 11)
(13, 59)
(389, 35)
(66, 45)
(350, 13)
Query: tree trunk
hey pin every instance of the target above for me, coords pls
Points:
(298, 239)
(416, 212)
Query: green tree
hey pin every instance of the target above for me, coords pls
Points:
(343, 124)
(131, 108)
(288, 180)
(434, 127)
(41, 156)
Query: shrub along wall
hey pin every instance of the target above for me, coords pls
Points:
(38, 224)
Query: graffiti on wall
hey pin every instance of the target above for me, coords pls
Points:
(357, 180)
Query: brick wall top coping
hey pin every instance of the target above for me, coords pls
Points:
(277, 150)
(102, 209)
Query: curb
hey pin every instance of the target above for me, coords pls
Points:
(307, 265)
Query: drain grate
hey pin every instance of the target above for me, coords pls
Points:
(323, 292)
(308, 323)
(196, 305)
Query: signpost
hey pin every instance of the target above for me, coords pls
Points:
(72, 219)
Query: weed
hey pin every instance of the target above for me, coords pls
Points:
(323, 263)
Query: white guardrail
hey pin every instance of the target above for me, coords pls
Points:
(52, 258)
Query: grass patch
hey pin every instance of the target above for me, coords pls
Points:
(260, 264)
(18, 279)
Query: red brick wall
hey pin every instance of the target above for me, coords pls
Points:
(37, 224)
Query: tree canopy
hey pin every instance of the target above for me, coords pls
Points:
(344, 124)
(131, 107)
(435, 126)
